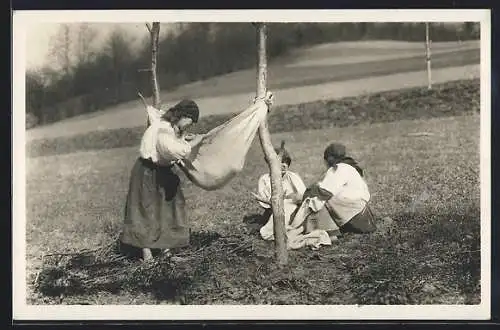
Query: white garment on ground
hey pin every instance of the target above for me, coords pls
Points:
(267, 231)
(292, 183)
(160, 143)
(314, 239)
(296, 238)
(349, 190)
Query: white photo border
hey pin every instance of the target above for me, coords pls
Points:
(21, 311)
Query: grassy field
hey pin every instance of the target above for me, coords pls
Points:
(428, 185)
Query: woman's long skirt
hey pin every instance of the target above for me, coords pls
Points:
(155, 215)
(329, 218)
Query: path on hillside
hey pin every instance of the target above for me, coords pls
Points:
(133, 116)
(329, 70)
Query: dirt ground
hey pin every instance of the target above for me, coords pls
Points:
(426, 253)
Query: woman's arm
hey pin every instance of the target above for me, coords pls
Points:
(264, 191)
(261, 199)
(180, 163)
(315, 191)
(296, 197)
(321, 192)
(299, 188)
(170, 146)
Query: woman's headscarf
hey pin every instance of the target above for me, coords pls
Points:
(185, 108)
(335, 153)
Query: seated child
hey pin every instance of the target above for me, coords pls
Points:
(293, 189)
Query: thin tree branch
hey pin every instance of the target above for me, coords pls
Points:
(142, 99)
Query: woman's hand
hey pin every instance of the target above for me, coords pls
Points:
(295, 197)
(268, 99)
(298, 198)
(194, 139)
(190, 136)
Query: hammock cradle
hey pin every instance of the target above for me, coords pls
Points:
(221, 153)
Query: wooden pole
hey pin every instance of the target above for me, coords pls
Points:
(280, 238)
(428, 56)
(155, 36)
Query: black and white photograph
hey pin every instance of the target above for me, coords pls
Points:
(251, 164)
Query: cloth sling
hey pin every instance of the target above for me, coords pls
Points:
(222, 152)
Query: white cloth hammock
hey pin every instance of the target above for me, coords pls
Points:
(221, 153)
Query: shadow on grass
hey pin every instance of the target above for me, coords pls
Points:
(417, 258)
(253, 222)
(424, 258)
(117, 267)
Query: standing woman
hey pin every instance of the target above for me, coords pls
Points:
(155, 216)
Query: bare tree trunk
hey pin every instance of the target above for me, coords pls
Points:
(155, 35)
(154, 32)
(428, 56)
(271, 156)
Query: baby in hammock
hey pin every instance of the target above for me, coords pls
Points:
(293, 189)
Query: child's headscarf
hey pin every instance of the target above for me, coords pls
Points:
(283, 154)
(335, 153)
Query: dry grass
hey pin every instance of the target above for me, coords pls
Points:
(75, 202)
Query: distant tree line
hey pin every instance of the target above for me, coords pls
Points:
(83, 79)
